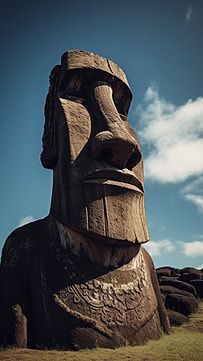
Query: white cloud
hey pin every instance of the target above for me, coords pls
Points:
(198, 237)
(173, 135)
(160, 247)
(193, 192)
(189, 14)
(200, 266)
(197, 200)
(195, 187)
(193, 249)
(25, 220)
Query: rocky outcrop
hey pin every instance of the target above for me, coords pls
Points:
(181, 291)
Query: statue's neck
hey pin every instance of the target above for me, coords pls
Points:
(101, 253)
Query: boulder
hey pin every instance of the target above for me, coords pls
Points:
(176, 318)
(167, 290)
(182, 304)
(165, 278)
(164, 271)
(198, 285)
(189, 270)
(192, 275)
(169, 281)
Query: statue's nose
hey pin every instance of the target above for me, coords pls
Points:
(112, 142)
(115, 149)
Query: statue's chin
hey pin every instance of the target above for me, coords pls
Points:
(116, 217)
(110, 215)
(100, 250)
(112, 241)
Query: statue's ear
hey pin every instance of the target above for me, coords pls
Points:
(49, 153)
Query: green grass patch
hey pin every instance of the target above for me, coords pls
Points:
(184, 343)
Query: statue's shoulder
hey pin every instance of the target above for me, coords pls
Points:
(148, 262)
(18, 246)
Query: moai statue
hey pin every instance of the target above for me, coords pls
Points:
(80, 278)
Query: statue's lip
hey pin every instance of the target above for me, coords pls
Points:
(118, 176)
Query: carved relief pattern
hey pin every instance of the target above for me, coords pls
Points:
(118, 299)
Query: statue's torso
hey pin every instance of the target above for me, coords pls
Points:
(74, 303)
(115, 304)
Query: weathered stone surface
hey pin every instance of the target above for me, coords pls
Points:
(182, 304)
(167, 278)
(174, 282)
(165, 289)
(198, 285)
(176, 318)
(190, 270)
(80, 278)
(164, 271)
(179, 284)
(189, 276)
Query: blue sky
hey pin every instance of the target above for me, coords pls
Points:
(159, 45)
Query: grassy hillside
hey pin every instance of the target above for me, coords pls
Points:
(184, 343)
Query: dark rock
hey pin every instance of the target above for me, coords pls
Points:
(176, 275)
(163, 296)
(175, 271)
(164, 271)
(198, 284)
(182, 304)
(190, 274)
(167, 290)
(189, 270)
(178, 284)
(165, 278)
(176, 318)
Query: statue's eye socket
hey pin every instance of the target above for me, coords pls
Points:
(73, 92)
(75, 95)
(121, 104)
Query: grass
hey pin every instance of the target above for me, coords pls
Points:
(184, 343)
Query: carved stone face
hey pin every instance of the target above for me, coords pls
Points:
(98, 170)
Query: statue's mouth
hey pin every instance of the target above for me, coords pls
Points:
(117, 177)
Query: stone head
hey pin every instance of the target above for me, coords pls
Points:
(98, 185)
